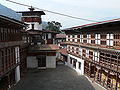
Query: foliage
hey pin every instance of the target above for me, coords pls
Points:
(54, 26)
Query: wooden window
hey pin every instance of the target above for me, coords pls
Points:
(79, 65)
(91, 55)
(80, 51)
(93, 41)
(74, 49)
(78, 36)
(109, 39)
(66, 37)
(71, 49)
(81, 38)
(116, 40)
(74, 62)
(84, 53)
(75, 39)
(96, 56)
(87, 53)
(70, 60)
(2, 57)
(97, 38)
(71, 37)
(77, 51)
(88, 38)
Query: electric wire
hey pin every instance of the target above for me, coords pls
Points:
(52, 12)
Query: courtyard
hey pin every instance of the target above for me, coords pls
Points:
(60, 78)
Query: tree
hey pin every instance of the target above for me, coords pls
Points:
(54, 26)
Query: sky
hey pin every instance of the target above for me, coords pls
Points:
(97, 10)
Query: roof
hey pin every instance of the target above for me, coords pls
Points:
(34, 31)
(32, 12)
(65, 43)
(63, 51)
(49, 31)
(60, 35)
(44, 47)
(11, 20)
(93, 24)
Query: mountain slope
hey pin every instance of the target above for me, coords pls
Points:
(9, 12)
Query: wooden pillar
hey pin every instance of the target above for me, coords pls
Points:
(116, 81)
(94, 71)
(90, 69)
(107, 78)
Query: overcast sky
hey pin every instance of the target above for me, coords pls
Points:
(97, 10)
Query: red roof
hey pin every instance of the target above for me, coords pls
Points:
(53, 46)
(44, 47)
(63, 51)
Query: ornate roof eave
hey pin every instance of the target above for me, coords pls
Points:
(13, 21)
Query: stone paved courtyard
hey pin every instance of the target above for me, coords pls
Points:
(61, 78)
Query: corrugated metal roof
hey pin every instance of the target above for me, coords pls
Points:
(92, 24)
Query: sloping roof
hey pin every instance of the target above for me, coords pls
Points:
(44, 47)
(34, 31)
(36, 12)
(63, 51)
(63, 43)
(60, 35)
(11, 20)
(49, 31)
(92, 24)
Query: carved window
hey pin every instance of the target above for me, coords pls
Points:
(97, 38)
(109, 39)
(81, 38)
(88, 38)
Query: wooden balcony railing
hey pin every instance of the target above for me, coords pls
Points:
(108, 65)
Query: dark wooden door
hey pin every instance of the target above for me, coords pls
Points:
(41, 61)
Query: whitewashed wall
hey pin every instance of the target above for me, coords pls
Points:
(79, 71)
(17, 70)
(32, 62)
(51, 62)
(37, 26)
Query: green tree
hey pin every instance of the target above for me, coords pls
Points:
(54, 26)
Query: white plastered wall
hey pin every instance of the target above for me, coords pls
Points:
(32, 62)
(37, 26)
(50, 61)
(17, 69)
(79, 71)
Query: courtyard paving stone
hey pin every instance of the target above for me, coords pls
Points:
(60, 78)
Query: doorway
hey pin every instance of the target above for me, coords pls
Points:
(41, 61)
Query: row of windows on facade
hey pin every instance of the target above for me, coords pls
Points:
(94, 55)
(9, 57)
(108, 40)
(102, 36)
(74, 62)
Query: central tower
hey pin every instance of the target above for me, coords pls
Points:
(32, 18)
